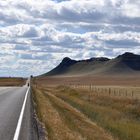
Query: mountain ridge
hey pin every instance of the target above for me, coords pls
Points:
(127, 63)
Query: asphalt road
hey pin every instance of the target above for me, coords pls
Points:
(11, 101)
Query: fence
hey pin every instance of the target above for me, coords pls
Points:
(118, 91)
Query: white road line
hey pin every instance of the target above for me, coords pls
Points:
(17, 132)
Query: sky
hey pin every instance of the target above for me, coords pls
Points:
(35, 35)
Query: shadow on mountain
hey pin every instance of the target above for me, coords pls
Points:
(125, 64)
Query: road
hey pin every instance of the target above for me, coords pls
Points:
(11, 102)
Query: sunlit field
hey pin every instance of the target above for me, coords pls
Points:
(88, 111)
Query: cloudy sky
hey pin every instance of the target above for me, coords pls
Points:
(35, 35)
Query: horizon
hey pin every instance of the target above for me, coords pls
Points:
(62, 60)
(37, 35)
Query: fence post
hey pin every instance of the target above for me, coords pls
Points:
(126, 93)
(109, 91)
(132, 94)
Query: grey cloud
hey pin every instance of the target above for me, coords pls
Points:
(121, 19)
(32, 32)
(125, 28)
(42, 32)
(8, 19)
(73, 16)
(123, 43)
(21, 47)
(26, 56)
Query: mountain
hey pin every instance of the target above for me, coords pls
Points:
(127, 63)
(62, 67)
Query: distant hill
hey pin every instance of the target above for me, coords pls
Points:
(127, 63)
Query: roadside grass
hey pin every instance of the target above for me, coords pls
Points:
(62, 121)
(47, 114)
(119, 116)
(76, 121)
(12, 81)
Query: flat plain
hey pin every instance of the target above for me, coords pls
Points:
(12, 81)
(92, 108)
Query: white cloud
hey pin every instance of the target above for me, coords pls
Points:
(40, 33)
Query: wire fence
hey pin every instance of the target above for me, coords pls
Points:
(117, 91)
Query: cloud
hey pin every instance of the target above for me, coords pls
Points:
(123, 43)
(40, 33)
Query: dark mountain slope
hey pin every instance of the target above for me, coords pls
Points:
(62, 67)
(127, 63)
(131, 60)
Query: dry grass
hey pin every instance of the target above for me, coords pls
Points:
(118, 116)
(116, 113)
(87, 80)
(12, 81)
(64, 122)
(115, 91)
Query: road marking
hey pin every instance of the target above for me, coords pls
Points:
(17, 132)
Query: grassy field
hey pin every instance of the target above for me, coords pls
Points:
(63, 121)
(119, 116)
(94, 80)
(116, 91)
(12, 81)
(76, 112)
